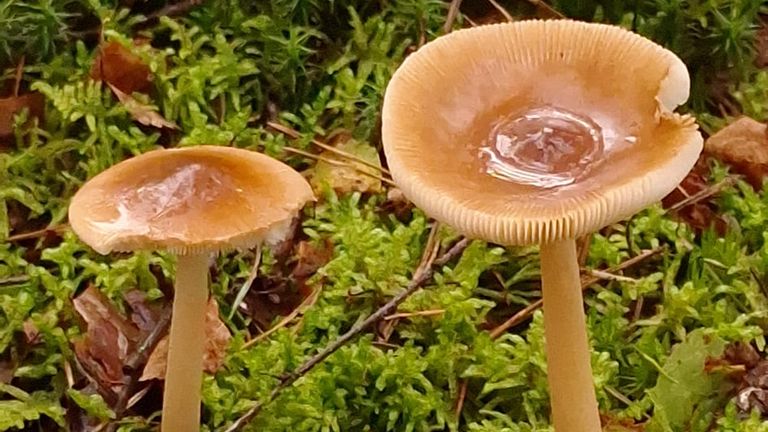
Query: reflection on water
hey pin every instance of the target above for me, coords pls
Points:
(545, 147)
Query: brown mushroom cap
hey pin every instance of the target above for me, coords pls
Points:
(195, 199)
(445, 100)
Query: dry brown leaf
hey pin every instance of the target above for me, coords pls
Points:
(121, 68)
(109, 340)
(700, 215)
(744, 145)
(12, 106)
(344, 175)
(142, 113)
(217, 339)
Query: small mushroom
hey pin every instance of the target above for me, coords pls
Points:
(538, 132)
(194, 202)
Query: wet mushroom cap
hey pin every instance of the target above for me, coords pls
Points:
(189, 200)
(462, 112)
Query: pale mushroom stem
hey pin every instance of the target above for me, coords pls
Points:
(184, 373)
(571, 385)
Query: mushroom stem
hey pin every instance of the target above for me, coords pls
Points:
(571, 385)
(184, 372)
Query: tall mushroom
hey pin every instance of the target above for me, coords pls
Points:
(194, 202)
(539, 132)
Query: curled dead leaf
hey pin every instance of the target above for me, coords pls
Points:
(345, 175)
(742, 144)
(119, 67)
(142, 113)
(109, 339)
(217, 339)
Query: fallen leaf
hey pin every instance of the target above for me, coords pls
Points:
(142, 113)
(217, 339)
(144, 315)
(31, 333)
(742, 144)
(700, 215)
(12, 106)
(119, 67)
(684, 390)
(310, 257)
(345, 175)
(109, 339)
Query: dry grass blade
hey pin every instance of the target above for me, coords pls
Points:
(541, 4)
(526, 312)
(453, 12)
(36, 233)
(338, 163)
(247, 285)
(501, 10)
(461, 398)
(295, 135)
(424, 313)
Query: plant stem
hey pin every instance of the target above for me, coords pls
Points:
(184, 373)
(571, 385)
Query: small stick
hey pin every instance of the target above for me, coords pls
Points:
(600, 274)
(36, 233)
(338, 163)
(421, 276)
(453, 12)
(501, 10)
(460, 399)
(544, 5)
(295, 135)
(526, 312)
(703, 194)
(19, 74)
(423, 313)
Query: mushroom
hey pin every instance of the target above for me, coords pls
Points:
(538, 132)
(194, 202)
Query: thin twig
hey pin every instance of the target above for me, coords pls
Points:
(703, 194)
(601, 274)
(453, 12)
(287, 319)
(544, 5)
(35, 234)
(460, 399)
(175, 9)
(421, 276)
(19, 74)
(339, 164)
(424, 313)
(526, 312)
(295, 135)
(501, 10)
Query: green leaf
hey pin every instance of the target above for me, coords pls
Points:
(685, 385)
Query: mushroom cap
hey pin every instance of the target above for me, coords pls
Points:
(189, 200)
(608, 94)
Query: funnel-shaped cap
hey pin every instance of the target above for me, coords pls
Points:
(538, 131)
(193, 199)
